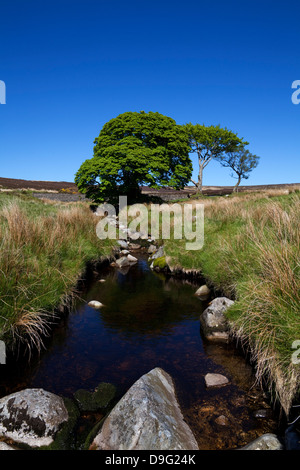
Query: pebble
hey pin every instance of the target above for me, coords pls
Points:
(95, 304)
(215, 380)
(222, 420)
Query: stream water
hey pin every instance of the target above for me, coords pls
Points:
(149, 320)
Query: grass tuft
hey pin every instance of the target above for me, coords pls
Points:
(44, 249)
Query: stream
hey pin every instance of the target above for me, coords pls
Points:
(149, 320)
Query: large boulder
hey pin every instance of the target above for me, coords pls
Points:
(32, 416)
(148, 417)
(213, 319)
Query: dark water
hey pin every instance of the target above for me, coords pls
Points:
(148, 321)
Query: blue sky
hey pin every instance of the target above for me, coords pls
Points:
(71, 65)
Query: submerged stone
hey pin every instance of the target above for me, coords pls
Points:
(134, 246)
(222, 420)
(98, 400)
(213, 318)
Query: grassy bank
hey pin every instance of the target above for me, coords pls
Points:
(251, 252)
(44, 248)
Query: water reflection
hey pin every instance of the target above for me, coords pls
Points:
(141, 305)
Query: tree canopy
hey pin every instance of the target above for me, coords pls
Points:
(132, 150)
(209, 142)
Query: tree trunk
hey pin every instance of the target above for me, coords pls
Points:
(200, 178)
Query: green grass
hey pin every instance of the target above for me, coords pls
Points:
(251, 252)
(44, 249)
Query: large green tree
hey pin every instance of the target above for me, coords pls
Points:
(210, 142)
(132, 150)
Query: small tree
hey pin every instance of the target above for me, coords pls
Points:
(209, 143)
(132, 150)
(242, 162)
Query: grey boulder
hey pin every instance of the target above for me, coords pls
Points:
(213, 319)
(148, 417)
(32, 416)
(267, 441)
(123, 262)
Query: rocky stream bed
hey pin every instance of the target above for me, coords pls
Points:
(219, 406)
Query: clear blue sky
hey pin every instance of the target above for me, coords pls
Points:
(72, 65)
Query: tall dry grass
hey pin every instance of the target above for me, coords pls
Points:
(269, 318)
(252, 253)
(42, 254)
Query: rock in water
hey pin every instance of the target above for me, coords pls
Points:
(98, 400)
(265, 442)
(148, 417)
(134, 246)
(4, 446)
(152, 249)
(123, 244)
(95, 304)
(132, 259)
(32, 416)
(215, 380)
(159, 253)
(203, 291)
(123, 262)
(213, 318)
